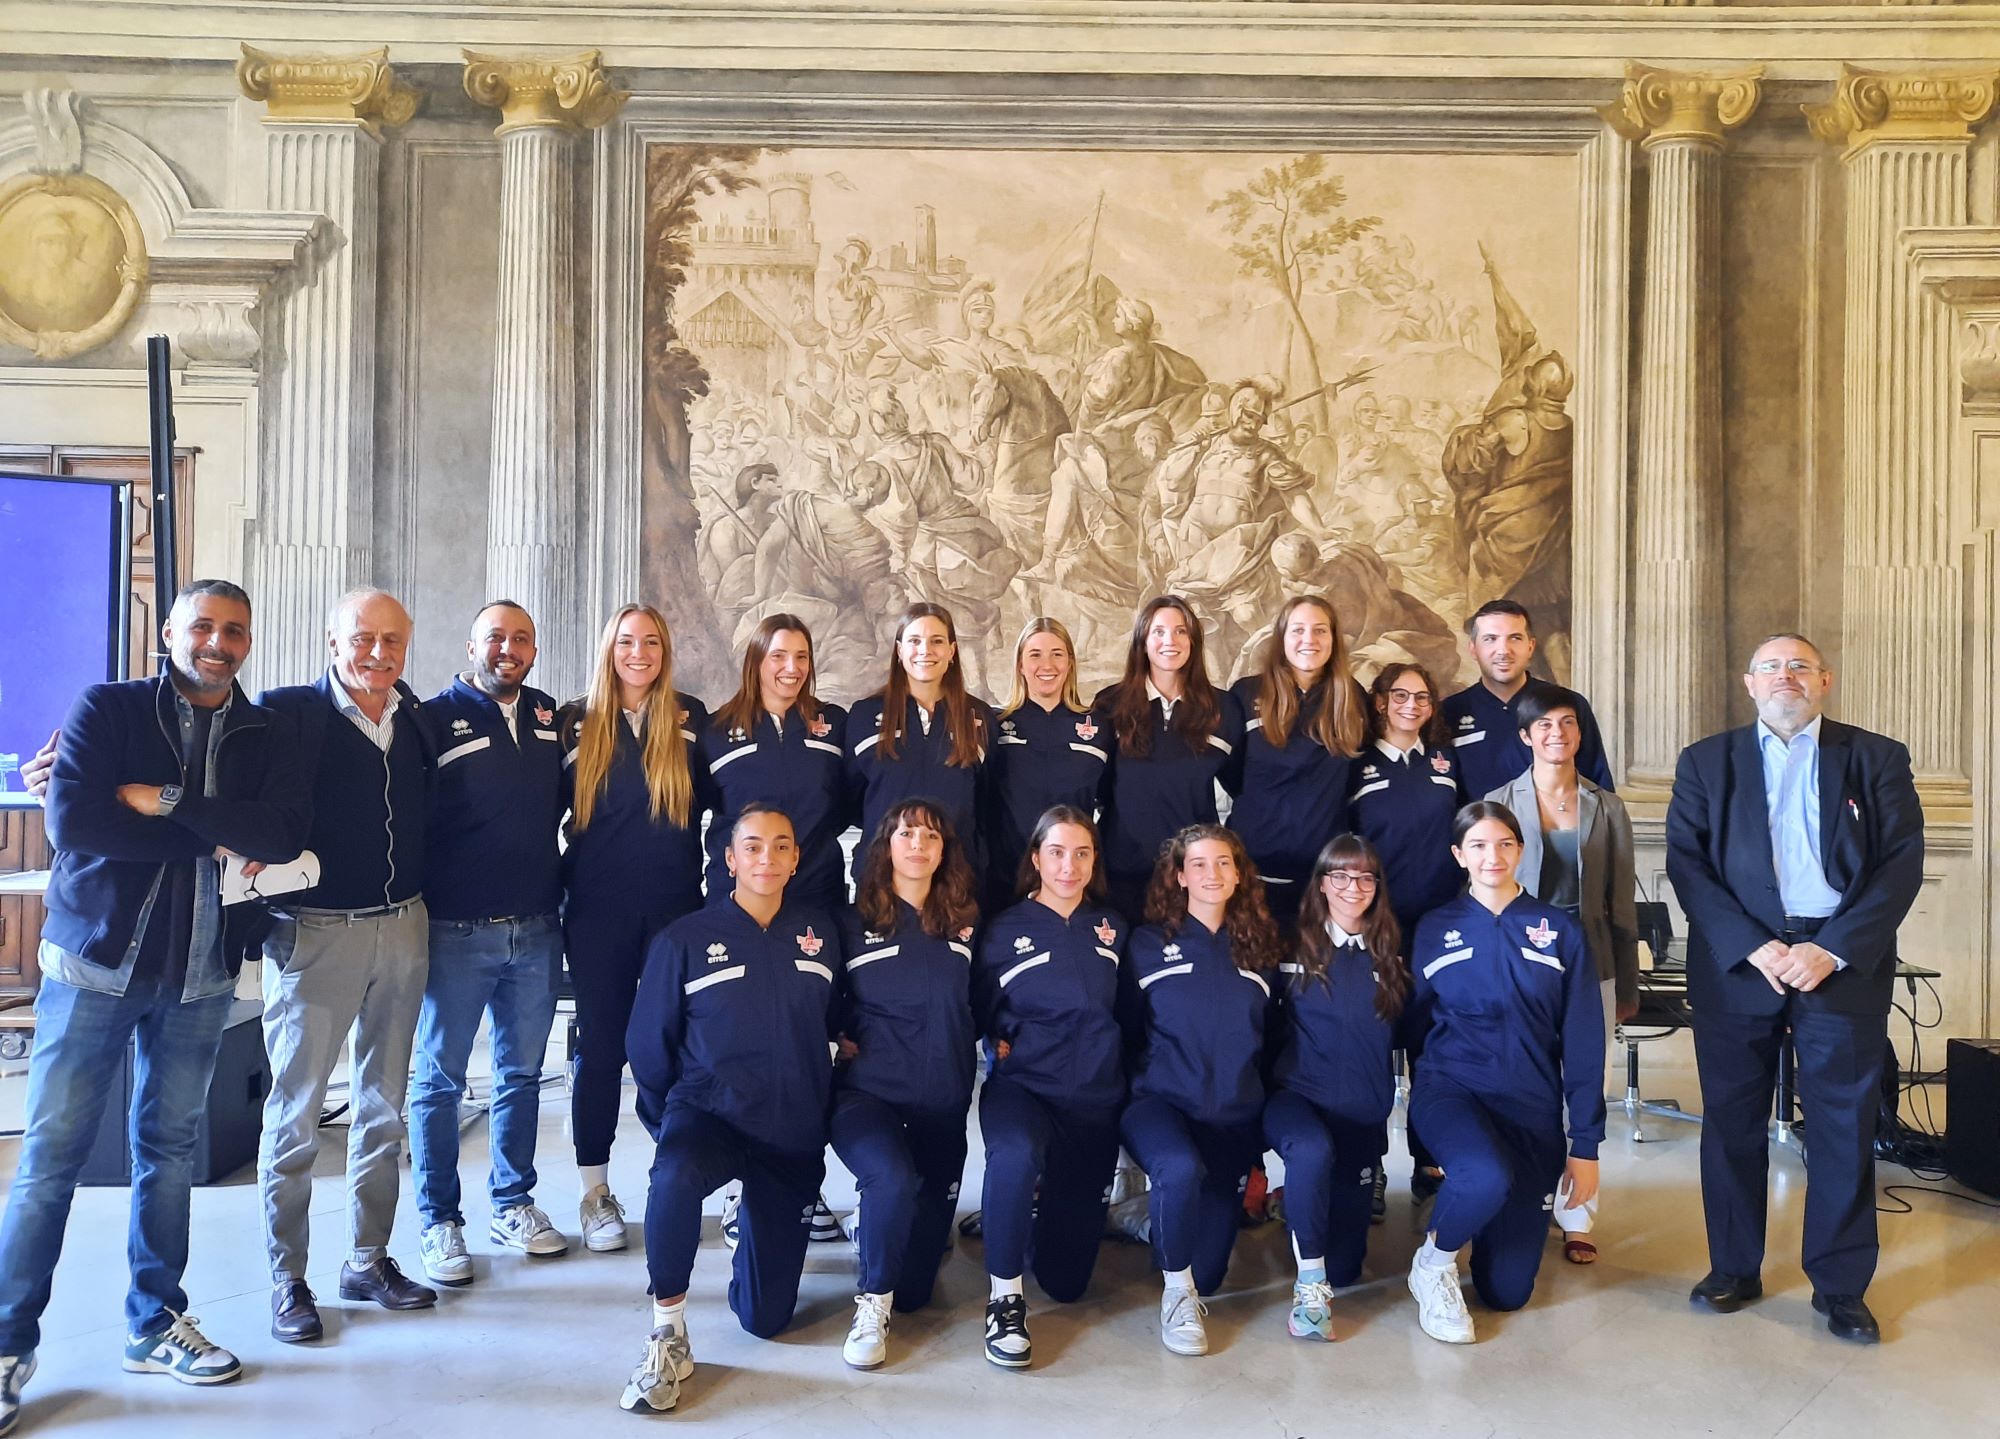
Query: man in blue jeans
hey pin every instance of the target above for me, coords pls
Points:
(493, 890)
(153, 781)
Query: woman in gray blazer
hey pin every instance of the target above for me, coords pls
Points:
(1576, 853)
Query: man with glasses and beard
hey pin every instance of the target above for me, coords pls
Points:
(154, 780)
(1796, 846)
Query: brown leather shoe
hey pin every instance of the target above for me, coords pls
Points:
(384, 1283)
(294, 1313)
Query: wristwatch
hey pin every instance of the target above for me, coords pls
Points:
(170, 795)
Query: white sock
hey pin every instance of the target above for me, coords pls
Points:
(1006, 1288)
(670, 1316)
(1312, 1271)
(1178, 1278)
(1432, 1257)
(594, 1176)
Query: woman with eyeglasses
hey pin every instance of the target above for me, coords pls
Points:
(1341, 996)
(1505, 1015)
(1305, 721)
(1197, 996)
(1576, 854)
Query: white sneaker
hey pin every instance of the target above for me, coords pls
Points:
(732, 1208)
(656, 1383)
(603, 1219)
(868, 1340)
(15, 1372)
(441, 1250)
(1181, 1329)
(1440, 1303)
(526, 1228)
(182, 1352)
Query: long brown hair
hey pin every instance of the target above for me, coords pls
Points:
(1436, 734)
(1379, 930)
(744, 708)
(664, 752)
(967, 737)
(1254, 942)
(1028, 879)
(1043, 625)
(949, 907)
(1126, 705)
(1341, 726)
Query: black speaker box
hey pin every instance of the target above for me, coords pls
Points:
(1972, 1113)
(230, 1124)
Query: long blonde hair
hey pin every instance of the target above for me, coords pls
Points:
(664, 757)
(1043, 625)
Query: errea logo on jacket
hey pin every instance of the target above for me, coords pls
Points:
(1022, 944)
(718, 953)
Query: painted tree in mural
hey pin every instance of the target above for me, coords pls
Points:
(1284, 224)
(677, 177)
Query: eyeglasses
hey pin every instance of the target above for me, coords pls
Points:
(1351, 879)
(1410, 697)
(1795, 668)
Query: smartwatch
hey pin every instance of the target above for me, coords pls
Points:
(170, 795)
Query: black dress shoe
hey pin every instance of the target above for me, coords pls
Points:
(1725, 1293)
(387, 1285)
(1847, 1317)
(294, 1314)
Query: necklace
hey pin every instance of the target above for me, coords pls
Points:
(1561, 804)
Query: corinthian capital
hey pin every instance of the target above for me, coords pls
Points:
(359, 88)
(1659, 105)
(567, 91)
(1872, 105)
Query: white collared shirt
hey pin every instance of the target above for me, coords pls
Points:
(382, 732)
(1340, 937)
(1399, 756)
(632, 721)
(1166, 705)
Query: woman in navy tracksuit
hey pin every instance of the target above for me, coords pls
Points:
(1340, 997)
(900, 1098)
(729, 1045)
(632, 866)
(1047, 750)
(1045, 995)
(775, 742)
(921, 735)
(1196, 999)
(1174, 735)
(1507, 1016)
(1305, 721)
(1406, 794)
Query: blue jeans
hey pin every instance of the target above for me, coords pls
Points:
(80, 1037)
(509, 967)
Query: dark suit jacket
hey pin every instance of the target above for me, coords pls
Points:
(1719, 860)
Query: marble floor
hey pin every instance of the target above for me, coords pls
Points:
(535, 1346)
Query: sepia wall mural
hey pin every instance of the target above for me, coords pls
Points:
(1022, 382)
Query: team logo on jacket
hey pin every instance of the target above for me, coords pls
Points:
(461, 726)
(737, 734)
(1441, 763)
(1171, 953)
(1006, 726)
(1369, 771)
(1022, 944)
(1451, 936)
(1105, 933)
(1086, 728)
(965, 934)
(544, 715)
(820, 729)
(869, 936)
(810, 944)
(1541, 936)
(717, 953)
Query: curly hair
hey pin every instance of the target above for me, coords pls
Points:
(1379, 930)
(949, 907)
(1254, 940)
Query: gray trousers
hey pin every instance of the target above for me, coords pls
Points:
(326, 975)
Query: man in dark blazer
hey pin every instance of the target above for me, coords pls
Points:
(1796, 847)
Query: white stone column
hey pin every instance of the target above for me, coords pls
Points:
(314, 533)
(1680, 670)
(1907, 137)
(532, 499)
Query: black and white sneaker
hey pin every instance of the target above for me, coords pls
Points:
(1007, 1341)
(732, 1208)
(1378, 1204)
(825, 1223)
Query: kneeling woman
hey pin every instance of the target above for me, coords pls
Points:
(1045, 994)
(728, 1044)
(1195, 1006)
(1506, 1017)
(1339, 999)
(906, 1035)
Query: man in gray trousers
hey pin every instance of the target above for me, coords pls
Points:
(350, 953)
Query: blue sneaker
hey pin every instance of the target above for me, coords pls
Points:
(15, 1371)
(182, 1352)
(1312, 1310)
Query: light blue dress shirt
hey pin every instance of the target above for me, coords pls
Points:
(1791, 798)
